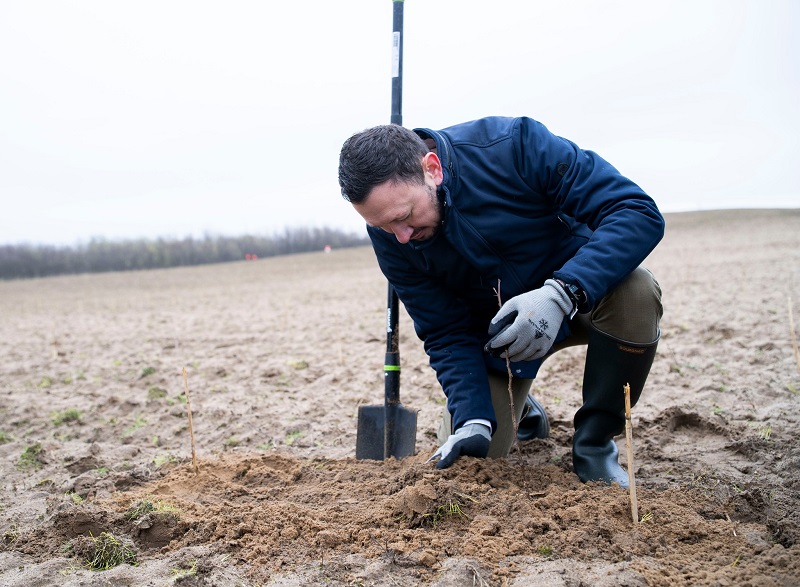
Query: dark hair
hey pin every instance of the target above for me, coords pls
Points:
(374, 156)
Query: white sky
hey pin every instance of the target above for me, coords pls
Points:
(174, 118)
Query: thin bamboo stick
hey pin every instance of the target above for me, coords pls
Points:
(794, 338)
(191, 428)
(629, 449)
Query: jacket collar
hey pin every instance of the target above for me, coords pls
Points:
(443, 150)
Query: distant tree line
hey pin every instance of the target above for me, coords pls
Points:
(98, 255)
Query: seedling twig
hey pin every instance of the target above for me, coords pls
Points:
(794, 338)
(629, 449)
(510, 376)
(191, 428)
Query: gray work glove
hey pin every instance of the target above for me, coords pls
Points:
(471, 440)
(527, 324)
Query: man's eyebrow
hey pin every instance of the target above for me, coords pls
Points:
(396, 218)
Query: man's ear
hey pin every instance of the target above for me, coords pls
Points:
(432, 166)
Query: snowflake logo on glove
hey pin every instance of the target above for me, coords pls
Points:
(540, 328)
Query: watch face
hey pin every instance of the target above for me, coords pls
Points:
(577, 293)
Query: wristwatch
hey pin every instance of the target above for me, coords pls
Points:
(574, 293)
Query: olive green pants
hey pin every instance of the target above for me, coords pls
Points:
(630, 312)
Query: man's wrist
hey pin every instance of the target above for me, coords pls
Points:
(479, 421)
(576, 295)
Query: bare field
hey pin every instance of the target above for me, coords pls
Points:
(280, 352)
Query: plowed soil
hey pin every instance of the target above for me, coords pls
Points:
(279, 353)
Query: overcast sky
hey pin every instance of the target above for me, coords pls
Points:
(173, 118)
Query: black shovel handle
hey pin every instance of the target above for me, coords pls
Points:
(397, 62)
(392, 361)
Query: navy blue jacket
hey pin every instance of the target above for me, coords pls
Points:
(520, 205)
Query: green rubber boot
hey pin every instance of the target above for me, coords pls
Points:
(610, 365)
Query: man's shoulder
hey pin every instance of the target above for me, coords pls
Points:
(485, 129)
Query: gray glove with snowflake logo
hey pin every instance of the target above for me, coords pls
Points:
(526, 326)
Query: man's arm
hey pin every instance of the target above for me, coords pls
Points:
(626, 222)
(443, 322)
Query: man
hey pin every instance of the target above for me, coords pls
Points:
(500, 209)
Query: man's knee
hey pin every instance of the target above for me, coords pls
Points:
(632, 310)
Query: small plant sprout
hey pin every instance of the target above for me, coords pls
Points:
(141, 508)
(31, 458)
(648, 517)
(451, 509)
(11, 535)
(156, 392)
(68, 415)
(138, 422)
(477, 580)
(544, 550)
(161, 460)
(108, 551)
(178, 399)
(146, 372)
(765, 431)
(292, 436)
(181, 573)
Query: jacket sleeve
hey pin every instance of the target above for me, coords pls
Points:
(625, 221)
(443, 323)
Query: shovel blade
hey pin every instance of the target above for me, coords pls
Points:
(370, 437)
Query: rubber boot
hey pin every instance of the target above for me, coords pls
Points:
(610, 364)
(534, 423)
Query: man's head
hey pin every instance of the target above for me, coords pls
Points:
(390, 177)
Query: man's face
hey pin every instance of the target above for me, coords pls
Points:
(408, 210)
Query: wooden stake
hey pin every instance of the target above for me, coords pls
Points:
(629, 449)
(191, 428)
(794, 338)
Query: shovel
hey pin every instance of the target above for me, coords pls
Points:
(390, 430)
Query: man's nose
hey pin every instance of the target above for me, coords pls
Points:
(402, 232)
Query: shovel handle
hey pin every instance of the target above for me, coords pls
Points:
(397, 62)
(392, 360)
(391, 363)
(391, 372)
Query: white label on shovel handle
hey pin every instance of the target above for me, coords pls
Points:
(396, 54)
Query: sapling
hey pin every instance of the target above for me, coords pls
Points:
(191, 428)
(794, 338)
(510, 376)
(629, 450)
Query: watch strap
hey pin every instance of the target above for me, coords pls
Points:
(574, 293)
